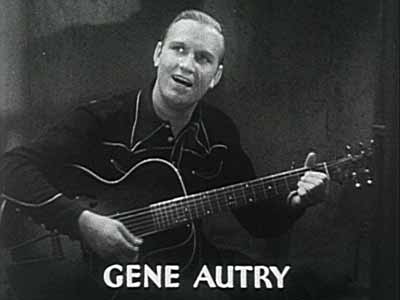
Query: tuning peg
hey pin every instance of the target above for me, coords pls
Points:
(369, 180)
(348, 150)
(357, 183)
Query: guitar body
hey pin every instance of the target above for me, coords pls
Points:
(146, 183)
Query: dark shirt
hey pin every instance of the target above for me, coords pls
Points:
(110, 136)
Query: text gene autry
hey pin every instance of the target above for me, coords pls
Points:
(167, 276)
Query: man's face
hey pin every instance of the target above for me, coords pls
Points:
(188, 63)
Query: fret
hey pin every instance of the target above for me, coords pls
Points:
(174, 213)
(224, 201)
(286, 183)
(202, 200)
(296, 178)
(264, 189)
(160, 217)
(208, 203)
(228, 198)
(231, 198)
(155, 218)
(275, 187)
(186, 207)
(176, 218)
(182, 216)
(213, 199)
(250, 195)
(241, 196)
(210, 197)
(163, 217)
(217, 199)
(194, 206)
(299, 177)
(252, 188)
(269, 187)
(168, 218)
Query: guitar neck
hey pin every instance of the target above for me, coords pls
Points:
(177, 211)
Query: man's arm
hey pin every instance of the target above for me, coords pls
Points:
(25, 171)
(24, 180)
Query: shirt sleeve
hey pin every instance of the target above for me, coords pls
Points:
(24, 171)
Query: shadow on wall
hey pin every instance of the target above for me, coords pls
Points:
(76, 53)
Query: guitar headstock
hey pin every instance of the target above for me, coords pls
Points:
(355, 167)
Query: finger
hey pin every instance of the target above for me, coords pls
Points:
(295, 200)
(306, 186)
(126, 249)
(316, 174)
(129, 236)
(129, 251)
(127, 258)
(312, 180)
(311, 160)
(301, 191)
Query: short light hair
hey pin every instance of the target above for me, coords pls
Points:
(201, 17)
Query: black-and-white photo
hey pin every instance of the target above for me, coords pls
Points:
(199, 149)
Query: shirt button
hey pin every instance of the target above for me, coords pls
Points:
(170, 139)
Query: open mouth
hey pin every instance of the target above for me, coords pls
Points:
(182, 80)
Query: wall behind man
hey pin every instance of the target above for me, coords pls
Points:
(299, 76)
(304, 76)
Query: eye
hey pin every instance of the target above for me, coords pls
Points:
(203, 59)
(178, 48)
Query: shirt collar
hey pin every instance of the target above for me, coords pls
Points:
(146, 122)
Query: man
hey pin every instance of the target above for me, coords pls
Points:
(167, 120)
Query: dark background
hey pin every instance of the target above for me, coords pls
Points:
(298, 76)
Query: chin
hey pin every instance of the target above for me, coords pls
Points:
(182, 104)
(179, 101)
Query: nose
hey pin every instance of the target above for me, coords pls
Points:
(186, 63)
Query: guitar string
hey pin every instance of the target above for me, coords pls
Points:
(295, 172)
(210, 198)
(129, 213)
(187, 201)
(150, 227)
(177, 208)
(171, 211)
(233, 188)
(168, 217)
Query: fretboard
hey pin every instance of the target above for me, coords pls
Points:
(170, 213)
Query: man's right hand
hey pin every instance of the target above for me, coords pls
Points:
(108, 238)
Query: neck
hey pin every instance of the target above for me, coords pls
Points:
(177, 118)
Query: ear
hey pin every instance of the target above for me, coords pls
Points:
(217, 76)
(157, 53)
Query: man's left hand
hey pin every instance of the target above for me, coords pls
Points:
(312, 187)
